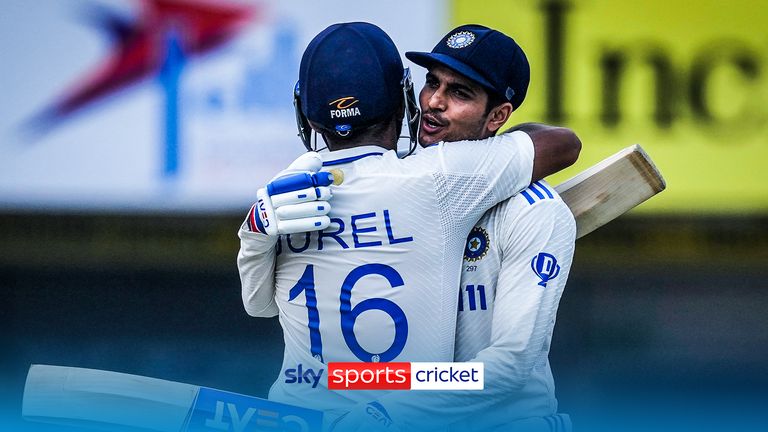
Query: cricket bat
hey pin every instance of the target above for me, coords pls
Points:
(121, 402)
(610, 188)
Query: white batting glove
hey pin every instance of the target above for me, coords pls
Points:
(295, 201)
(370, 417)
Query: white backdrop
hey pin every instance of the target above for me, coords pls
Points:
(235, 125)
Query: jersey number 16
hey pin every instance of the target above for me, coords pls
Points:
(349, 314)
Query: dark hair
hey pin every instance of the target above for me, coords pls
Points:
(494, 100)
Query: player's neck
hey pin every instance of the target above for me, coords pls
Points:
(382, 137)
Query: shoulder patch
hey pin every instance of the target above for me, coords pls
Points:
(537, 192)
(477, 244)
(545, 267)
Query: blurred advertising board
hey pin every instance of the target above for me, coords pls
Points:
(687, 81)
(163, 105)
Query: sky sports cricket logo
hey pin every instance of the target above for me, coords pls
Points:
(394, 376)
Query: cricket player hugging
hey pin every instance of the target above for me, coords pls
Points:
(367, 270)
(516, 260)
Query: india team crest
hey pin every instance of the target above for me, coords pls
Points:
(477, 244)
(461, 39)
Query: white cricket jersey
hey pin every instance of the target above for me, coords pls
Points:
(379, 284)
(516, 262)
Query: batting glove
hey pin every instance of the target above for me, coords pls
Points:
(371, 417)
(295, 201)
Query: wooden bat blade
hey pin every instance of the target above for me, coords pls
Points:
(610, 188)
(122, 402)
(89, 397)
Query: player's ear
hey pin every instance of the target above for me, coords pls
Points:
(498, 116)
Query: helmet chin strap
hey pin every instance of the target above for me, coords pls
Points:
(412, 111)
(302, 123)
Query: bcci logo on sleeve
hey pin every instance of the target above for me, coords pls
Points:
(344, 107)
(477, 244)
(545, 267)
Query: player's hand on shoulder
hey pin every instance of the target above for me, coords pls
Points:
(295, 201)
(370, 417)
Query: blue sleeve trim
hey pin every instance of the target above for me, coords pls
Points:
(528, 197)
(546, 190)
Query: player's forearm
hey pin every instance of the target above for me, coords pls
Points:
(256, 264)
(556, 148)
(528, 127)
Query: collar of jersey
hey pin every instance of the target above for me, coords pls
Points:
(339, 157)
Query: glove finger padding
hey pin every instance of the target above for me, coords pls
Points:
(303, 210)
(293, 226)
(289, 219)
(299, 181)
(321, 193)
